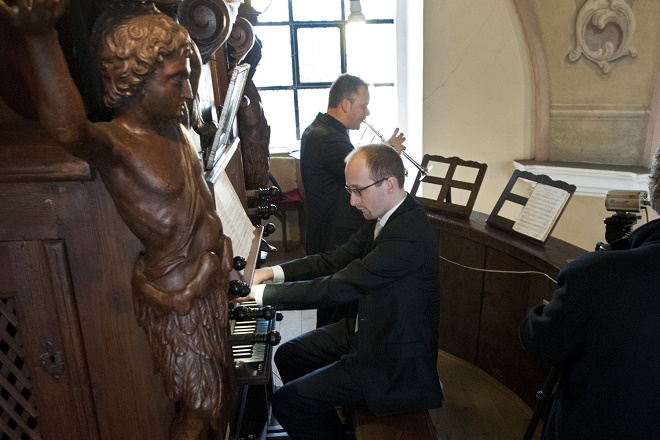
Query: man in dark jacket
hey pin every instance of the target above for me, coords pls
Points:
(390, 266)
(601, 332)
(331, 220)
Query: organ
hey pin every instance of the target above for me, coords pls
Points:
(74, 362)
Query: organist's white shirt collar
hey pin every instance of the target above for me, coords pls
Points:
(383, 220)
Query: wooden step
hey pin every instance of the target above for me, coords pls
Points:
(407, 426)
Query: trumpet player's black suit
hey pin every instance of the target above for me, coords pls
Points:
(331, 220)
(390, 362)
(602, 331)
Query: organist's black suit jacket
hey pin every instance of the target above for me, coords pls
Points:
(396, 282)
(602, 331)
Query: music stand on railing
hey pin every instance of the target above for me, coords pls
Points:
(540, 211)
(453, 165)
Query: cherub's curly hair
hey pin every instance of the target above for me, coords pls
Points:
(129, 44)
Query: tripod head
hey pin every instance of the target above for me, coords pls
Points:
(619, 225)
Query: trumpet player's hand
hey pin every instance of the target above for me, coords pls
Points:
(396, 140)
(34, 17)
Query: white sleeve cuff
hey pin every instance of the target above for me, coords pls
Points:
(259, 294)
(278, 274)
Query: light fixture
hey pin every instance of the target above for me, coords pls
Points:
(356, 15)
(260, 5)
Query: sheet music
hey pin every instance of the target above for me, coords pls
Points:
(541, 211)
(235, 222)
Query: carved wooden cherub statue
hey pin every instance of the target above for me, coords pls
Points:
(150, 168)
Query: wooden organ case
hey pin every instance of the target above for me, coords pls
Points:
(74, 363)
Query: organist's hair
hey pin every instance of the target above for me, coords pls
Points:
(654, 182)
(383, 162)
(129, 44)
(345, 86)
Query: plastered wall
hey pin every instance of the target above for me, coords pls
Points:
(481, 95)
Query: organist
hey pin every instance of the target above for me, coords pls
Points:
(388, 357)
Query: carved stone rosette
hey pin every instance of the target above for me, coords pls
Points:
(597, 46)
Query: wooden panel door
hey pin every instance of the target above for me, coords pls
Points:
(45, 382)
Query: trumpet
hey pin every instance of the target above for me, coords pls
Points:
(425, 171)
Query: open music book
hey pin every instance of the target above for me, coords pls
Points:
(540, 211)
(235, 222)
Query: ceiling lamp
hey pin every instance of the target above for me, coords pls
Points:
(356, 15)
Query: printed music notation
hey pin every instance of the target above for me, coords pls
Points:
(235, 222)
(541, 211)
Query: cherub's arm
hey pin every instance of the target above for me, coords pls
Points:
(60, 106)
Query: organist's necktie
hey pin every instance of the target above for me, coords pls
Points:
(377, 229)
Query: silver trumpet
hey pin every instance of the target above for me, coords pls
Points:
(421, 169)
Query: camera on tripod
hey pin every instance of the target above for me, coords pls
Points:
(626, 204)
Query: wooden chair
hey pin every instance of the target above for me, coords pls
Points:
(286, 202)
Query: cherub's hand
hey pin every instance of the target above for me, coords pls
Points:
(396, 140)
(34, 17)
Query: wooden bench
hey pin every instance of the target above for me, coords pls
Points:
(408, 426)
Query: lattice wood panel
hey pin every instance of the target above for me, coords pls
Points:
(18, 412)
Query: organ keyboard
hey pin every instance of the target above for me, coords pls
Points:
(251, 342)
(248, 334)
(252, 337)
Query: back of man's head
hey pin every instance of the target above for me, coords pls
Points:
(345, 86)
(654, 182)
(382, 160)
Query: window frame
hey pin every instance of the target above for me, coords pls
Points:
(296, 83)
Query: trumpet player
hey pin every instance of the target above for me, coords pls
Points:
(324, 145)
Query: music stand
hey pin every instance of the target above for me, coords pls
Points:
(233, 99)
(443, 202)
(540, 211)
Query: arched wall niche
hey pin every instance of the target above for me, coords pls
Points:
(594, 69)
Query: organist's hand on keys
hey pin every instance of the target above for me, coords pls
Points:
(241, 299)
(260, 276)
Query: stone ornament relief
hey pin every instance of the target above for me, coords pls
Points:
(603, 33)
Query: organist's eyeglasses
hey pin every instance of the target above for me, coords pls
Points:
(358, 191)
